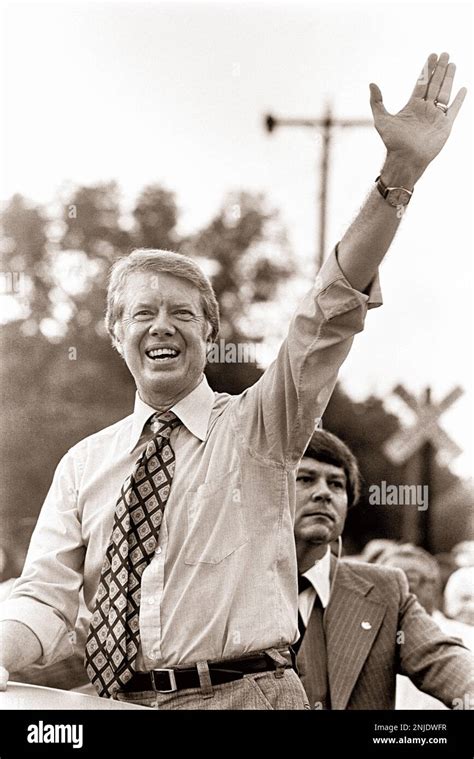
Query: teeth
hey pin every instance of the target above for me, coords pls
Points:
(162, 353)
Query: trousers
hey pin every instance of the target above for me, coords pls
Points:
(257, 691)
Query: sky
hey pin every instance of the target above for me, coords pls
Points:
(175, 93)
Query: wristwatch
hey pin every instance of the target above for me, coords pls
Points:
(396, 196)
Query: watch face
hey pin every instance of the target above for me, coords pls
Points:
(398, 197)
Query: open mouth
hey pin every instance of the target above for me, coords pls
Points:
(162, 355)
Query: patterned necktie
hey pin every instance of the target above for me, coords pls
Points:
(114, 634)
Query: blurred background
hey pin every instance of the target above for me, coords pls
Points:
(129, 124)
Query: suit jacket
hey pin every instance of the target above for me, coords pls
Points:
(376, 629)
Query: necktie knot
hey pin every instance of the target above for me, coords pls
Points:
(163, 423)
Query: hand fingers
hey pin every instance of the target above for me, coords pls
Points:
(423, 80)
(437, 78)
(376, 102)
(457, 103)
(444, 95)
(4, 675)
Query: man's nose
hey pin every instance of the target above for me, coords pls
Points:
(162, 324)
(320, 492)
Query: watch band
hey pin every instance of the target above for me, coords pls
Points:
(384, 190)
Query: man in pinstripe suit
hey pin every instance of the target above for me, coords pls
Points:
(360, 625)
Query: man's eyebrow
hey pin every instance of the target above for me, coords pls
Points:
(307, 470)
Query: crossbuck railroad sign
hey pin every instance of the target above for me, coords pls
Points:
(404, 443)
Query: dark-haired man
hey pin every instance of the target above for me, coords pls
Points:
(360, 625)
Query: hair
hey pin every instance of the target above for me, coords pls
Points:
(463, 553)
(154, 260)
(326, 447)
(408, 550)
(457, 584)
(375, 548)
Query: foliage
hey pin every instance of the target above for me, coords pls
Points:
(60, 378)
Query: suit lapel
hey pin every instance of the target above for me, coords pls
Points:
(352, 622)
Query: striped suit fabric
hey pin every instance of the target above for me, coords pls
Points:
(375, 629)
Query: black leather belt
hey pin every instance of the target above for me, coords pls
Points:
(172, 679)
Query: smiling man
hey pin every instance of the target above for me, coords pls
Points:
(161, 323)
(177, 522)
(359, 624)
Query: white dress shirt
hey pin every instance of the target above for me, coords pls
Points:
(318, 575)
(222, 582)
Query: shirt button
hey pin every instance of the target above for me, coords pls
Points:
(151, 600)
(158, 551)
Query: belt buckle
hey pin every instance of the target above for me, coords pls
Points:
(171, 676)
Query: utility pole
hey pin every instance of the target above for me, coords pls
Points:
(427, 452)
(326, 125)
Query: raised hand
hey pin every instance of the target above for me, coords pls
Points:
(418, 132)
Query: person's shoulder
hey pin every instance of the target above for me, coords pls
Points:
(222, 404)
(104, 437)
(374, 572)
(222, 400)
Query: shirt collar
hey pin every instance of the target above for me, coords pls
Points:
(194, 410)
(318, 575)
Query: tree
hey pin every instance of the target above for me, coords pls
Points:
(24, 256)
(250, 257)
(61, 379)
(365, 427)
(156, 216)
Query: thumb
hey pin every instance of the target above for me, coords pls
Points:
(376, 102)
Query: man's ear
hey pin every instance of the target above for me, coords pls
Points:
(117, 343)
(208, 338)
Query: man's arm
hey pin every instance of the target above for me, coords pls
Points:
(276, 417)
(437, 664)
(42, 608)
(413, 137)
(19, 647)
